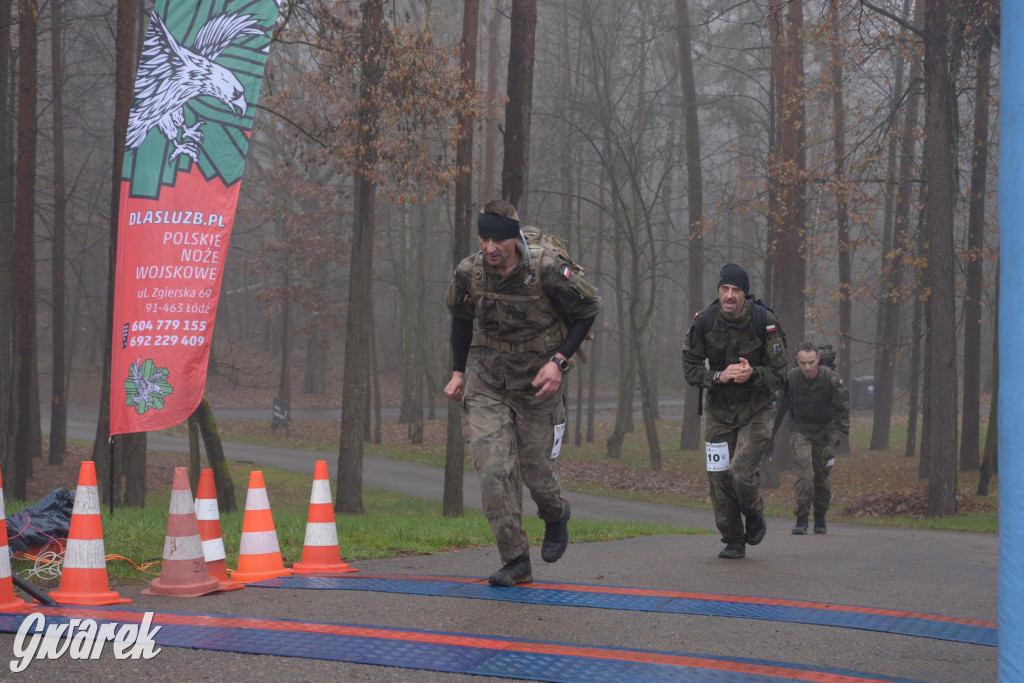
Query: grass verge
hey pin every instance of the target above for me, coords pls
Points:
(394, 525)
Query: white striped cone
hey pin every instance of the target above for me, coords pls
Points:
(8, 600)
(259, 555)
(83, 580)
(183, 572)
(208, 516)
(320, 552)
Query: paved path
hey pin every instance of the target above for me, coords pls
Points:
(950, 574)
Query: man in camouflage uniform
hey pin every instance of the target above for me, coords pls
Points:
(819, 408)
(745, 351)
(518, 314)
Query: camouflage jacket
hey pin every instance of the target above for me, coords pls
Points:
(725, 344)
(518, 323)
(819, 407)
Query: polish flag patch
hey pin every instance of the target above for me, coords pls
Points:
(566, 272)
(770, 328)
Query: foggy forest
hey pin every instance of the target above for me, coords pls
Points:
(842, 151)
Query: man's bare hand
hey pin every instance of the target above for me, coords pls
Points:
(548, 380)
(737, 372)
(743, 372)
(453, 390)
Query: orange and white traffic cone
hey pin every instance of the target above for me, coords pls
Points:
(259, 555)
(83, 581)
(183, 572)
(208, 516)
(8, 600)
(320, 552)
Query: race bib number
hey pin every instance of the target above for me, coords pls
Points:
(718, 456)
(559, 435)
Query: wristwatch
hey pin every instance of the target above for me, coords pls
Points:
(562, 363)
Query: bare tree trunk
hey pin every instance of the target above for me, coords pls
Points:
(515, 170)
(195, 460)
(127, 13)
(892, 291)
(491, 125)
(597, 355)
(689, 437)
(418, 325)
(132, 448)
(455, 447)
(378, 416)
(969, 440)
(845, 248)
(284, 377)
(203, 415)
(914, 375)
(990, 461)
(7, 393)
(790, 268)
(58, 393)
(355, 394)
(24, 244)
(941, 49)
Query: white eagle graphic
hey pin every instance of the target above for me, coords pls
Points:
(171, 74)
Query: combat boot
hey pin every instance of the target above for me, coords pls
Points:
(800, 528)
(819, 525)
(515, 571)
(556, 536)
(756, 528)
(734, 550)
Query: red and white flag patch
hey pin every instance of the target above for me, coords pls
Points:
(566, 272)
(770, 328)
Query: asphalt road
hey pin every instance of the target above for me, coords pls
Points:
(950, 574)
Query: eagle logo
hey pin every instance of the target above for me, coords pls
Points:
(171, 74)
(147, 386)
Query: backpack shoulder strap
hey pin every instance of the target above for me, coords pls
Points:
(759, 315)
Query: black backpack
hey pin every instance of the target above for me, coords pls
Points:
(827, 356)
(705, 321)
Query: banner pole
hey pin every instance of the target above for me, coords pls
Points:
(110, 467)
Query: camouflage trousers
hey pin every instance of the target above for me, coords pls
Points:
(504, 430)
(813, 459)
(737, 492)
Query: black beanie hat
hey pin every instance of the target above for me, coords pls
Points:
(493, 226)
(732, 274)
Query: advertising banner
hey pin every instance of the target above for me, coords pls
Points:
(188, 134)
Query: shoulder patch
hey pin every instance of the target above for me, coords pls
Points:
(696, 314)
(566, 272)
(770, 328)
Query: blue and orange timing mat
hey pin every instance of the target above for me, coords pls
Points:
(667, 601)
(441, 651)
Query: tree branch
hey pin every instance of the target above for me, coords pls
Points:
(899, 20)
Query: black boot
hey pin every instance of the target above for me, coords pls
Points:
(556, 536)
(734, 550)
(515, 571)
(819, 525)
(800, 529)
(756, 528)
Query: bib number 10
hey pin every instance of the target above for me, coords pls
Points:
(717, 456)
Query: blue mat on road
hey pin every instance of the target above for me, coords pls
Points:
(440, 651)
(650, 600)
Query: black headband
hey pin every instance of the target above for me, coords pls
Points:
(495, 227)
